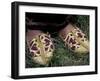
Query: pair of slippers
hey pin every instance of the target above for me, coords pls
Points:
(41, 44)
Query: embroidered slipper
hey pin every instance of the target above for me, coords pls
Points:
(41, 46)
(75, 39)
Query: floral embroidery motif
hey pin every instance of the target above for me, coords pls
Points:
(42, 46)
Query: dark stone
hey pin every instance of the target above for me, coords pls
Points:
(47, 42)
(73, 47)
(38, 52)
(72, 41)
(34, 47)
(51, 46)
(79, 35)
(46, 49)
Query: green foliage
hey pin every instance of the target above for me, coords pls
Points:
(83, 24)
(62, 55)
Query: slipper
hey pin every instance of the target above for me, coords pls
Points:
(75, 39)
(41, 46)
